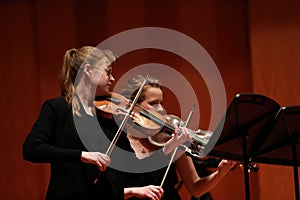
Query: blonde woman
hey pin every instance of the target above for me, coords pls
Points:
(55, 139)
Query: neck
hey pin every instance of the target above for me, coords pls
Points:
(86, 96)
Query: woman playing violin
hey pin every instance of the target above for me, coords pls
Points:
(147, 185)
(54, 139)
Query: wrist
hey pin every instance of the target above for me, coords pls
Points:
(83, 155)
(128, 193)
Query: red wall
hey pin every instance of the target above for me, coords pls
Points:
(274, 40)
(254, 44)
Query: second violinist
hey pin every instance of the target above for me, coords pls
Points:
(147, 184)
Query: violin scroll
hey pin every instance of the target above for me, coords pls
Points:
(200, 138)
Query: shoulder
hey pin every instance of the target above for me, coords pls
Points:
(57, 101)
(58, 104)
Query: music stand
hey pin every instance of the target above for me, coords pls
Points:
(283, 143)
(243, 128)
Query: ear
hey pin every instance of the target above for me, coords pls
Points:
(87, 70)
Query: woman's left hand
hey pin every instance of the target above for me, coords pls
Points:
(181, 135)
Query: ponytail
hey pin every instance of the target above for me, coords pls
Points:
(68, 74)
(72, 62)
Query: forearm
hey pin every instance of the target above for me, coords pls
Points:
(171, 146)
(128, 193)
(205, 184)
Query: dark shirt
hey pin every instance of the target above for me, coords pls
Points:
(154, 177)
(54, 139)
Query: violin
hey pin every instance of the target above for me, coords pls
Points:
(160, 128)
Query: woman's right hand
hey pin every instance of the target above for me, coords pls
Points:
(96, 158)
(150, 192)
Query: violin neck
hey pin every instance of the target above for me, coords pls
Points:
(158, 121)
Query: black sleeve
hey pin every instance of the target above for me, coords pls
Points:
(39, 145)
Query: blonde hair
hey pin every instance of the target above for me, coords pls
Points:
(133, 85)
(73, 60)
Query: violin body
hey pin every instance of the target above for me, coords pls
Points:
(115, 105)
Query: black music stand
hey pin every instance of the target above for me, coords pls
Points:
(283, 143)
(246, 124)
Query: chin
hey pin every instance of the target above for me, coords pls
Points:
(101, 93)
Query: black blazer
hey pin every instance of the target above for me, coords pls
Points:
(55, 140)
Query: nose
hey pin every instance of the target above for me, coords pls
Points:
(159, 108)
(111, 78)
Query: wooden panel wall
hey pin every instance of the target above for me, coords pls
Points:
(35, 34)
(275, 46)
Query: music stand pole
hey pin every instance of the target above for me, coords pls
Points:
(295, 167)
(245, 166)
(245, 156)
